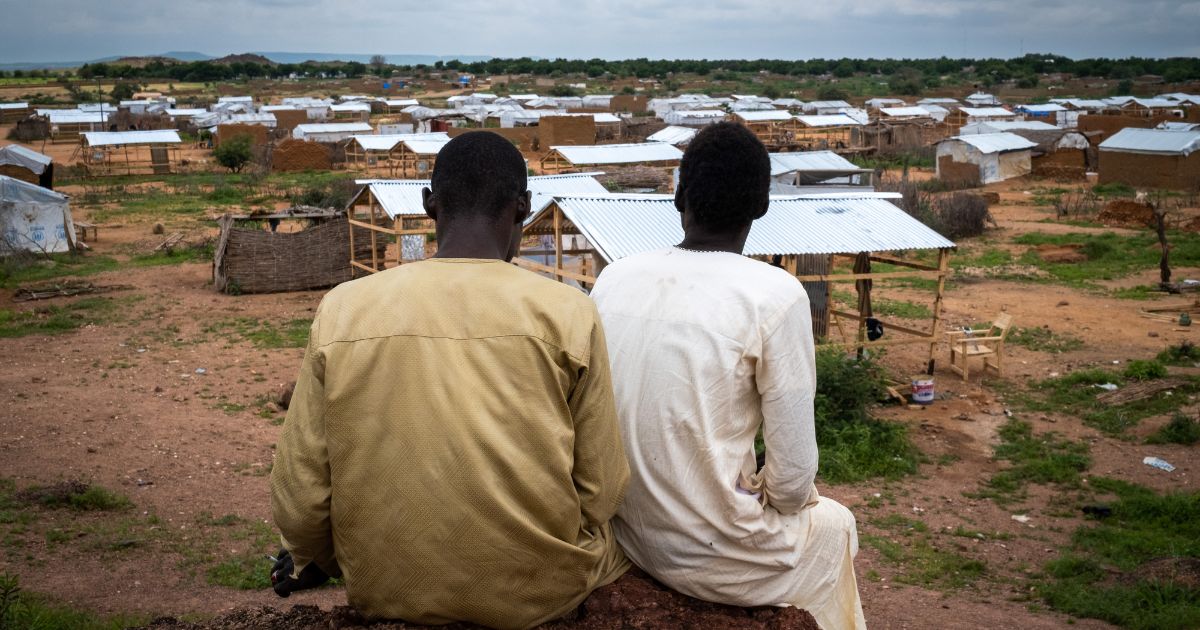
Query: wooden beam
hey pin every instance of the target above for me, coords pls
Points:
(536, 266)
(847, 277)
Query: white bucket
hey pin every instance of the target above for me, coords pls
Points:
(922, 389)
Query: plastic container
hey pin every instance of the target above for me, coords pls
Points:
(922, 389)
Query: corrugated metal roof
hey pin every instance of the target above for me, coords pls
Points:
(999, 126)
(171, 111)
(400, 102)
(825, 105)
(1161, 141)
(117, 138)
(311, 128)
(75, 117)
(829, 120)
(429, 146)
(1047, 108)
(14, 105)
(905, 112)
(402, 197)
(265, 118)
(350, 107)
(995, 142)
(809, 161)
(673, 135)
(987, 112)
(764, 116)
(619, 153)
(938, 101)
(622, 225)
(387, 142)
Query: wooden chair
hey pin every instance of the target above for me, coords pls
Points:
(986, 343)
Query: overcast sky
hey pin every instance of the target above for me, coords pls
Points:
(65, 30)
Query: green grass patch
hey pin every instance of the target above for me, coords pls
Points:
(1184, 353)
(16, 270)
(1181, 429)
(248, 569)
(1040, 459)
(1109, 256)
(57, 319)
(923, 564)
(1044, 340)
(28, 611)
(1124, 568)
(1140, 292)
(1075, 394)
(75, 495)
(901, 308)
(263, 334)
(1114, 190)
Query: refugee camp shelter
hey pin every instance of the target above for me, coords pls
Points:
(814, 172)
(33, 219)
(67, 125)
(1000, 126)
(823, 131)
(394, 213)
(130, 152)
(330, 132)
(12, 112)
(820, 239)
(984, 158)
(767, 125)
(566, 158)
(675, 135)
(904, 113)
(27, 165)
(1151, 158)
(1047, 112)
(397, 155)
(1059, 152)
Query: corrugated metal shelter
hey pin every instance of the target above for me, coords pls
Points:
(678, 136)
(986, 157)
(12, 112)
(1152, 158)
(812, 237)
(693, 117)
(904, 113)
(814, 172)
(27, 165)
(329, 132)
(66, 125)
(129, 152)
(393, 210)
(395, 155)
(34, 219)
(1001, 126)
(566, 158)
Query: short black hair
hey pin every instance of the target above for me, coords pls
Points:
(725, 176)
(478, 172)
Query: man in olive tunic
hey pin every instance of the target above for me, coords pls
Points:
(451, 448)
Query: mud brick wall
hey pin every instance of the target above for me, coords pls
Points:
(300, 155)
(1142, 170)
(258, 134)
(525, 138)
(288, 120)
(567, 130)
(951, 171)
(628, 103)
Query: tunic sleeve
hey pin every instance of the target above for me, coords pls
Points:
(786, 378)
(601, 471)
(300, 480)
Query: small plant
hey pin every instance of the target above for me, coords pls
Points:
(1045, 340)
(1139, 370)
(234, 153)
(1180, 430)
(1184, 353)
(1041, 459)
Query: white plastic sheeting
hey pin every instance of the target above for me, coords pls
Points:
(1156, 141)
(619, 153)
(124, 138)
(33, 219)
(17, 155)
(402, 197)
(329, 132)
(999, 156)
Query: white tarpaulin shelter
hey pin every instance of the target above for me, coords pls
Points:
(17, 155)
(998, 156)
(33, 219)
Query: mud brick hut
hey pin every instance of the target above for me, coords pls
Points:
(27, 165)
(393, 213)
(397, 155)
(985, 158)
(130, 152)
(1152, 158)
(820, 239)
(569, 159)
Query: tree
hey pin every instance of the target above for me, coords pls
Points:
(378, 62)
(124, 91)
(234, 153)
(831, 93)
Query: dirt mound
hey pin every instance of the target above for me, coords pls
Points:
(633, 601)
(1126, 213)
(301, 155)
(1068, 253)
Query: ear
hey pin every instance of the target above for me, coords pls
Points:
(524, 207)
(679, 199)
(430, 202)
(762, 212)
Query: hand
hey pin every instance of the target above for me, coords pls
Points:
(281, 575)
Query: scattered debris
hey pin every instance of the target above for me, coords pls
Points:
(1108, 387)
(1140, 390)
(1098, 511)
(1158, 463)
(1020, 518)
(64, 289)
(201, 371)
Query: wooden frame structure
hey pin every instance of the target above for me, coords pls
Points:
(797, 134)
(815, 271)
(102, 155)
(554, 162)
(392, 231)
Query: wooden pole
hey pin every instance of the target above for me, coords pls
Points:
(350, 226)
(374, 247)
(558, 253)
(934, 332)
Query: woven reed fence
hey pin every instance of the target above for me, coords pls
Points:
(249, 260)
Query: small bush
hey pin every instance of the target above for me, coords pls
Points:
(1114, 189)
(334, 194)
(1185, 353)
(961, 215)
(235, 153)
(1180, 430)
(1144, 370)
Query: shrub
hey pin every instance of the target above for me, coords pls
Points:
(334, 194)
(1180, 430)
(234, 154)
(1185, 353)
(1144, 370)
(954, 216)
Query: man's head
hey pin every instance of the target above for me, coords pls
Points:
(479, 192)
(724, 180)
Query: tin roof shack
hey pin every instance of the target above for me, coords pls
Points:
(330, 132)
(817, 172)
(393, 213)
(1047, 113)
(1152, 158)
(984, 158)
(395, 156)
(130, 152)
(966, 115)
(355, 111)
(569, 159)
(821, 132)
(1060, 153)
(67, 125)
(33, 219)
(770, 126)
(27, 165)
(678, 136)
(12, 112)
(821, 239)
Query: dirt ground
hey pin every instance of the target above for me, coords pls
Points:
(164, 403)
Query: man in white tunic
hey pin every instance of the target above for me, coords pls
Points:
(707, 347)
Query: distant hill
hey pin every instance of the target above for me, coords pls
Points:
(243, 58)
(396, 59)
(258, 57)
